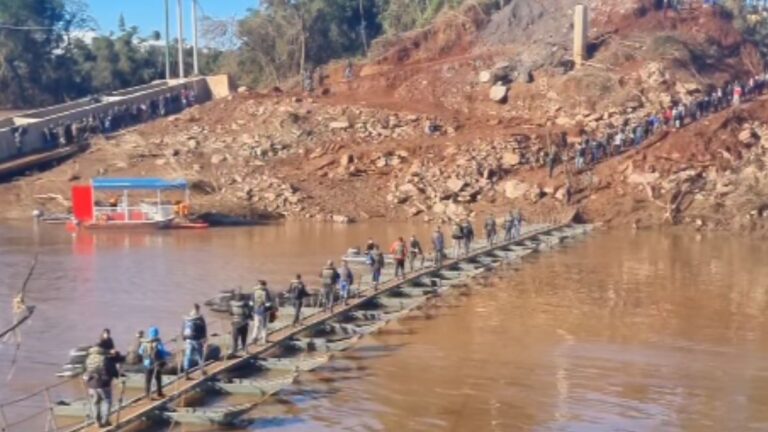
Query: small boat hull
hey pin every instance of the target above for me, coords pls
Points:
(138, 225)
(187, 226)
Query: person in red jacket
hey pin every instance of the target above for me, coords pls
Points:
(399, 252)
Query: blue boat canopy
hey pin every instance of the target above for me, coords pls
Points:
(137, 184)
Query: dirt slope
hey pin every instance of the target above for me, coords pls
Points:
(360, 150)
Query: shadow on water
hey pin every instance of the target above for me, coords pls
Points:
(371, 352)
(340, 378)
(274, 422)
(306, 393)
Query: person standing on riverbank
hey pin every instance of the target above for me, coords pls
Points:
(399, 251)
(154, 354)
(194, 331)
(297, 292)
(330, 278)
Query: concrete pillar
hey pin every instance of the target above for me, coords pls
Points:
(580, 34)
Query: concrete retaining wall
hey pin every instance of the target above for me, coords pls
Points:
(36, 121)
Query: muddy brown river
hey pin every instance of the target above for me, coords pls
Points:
(622, 331)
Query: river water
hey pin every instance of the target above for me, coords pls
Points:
(622, 331)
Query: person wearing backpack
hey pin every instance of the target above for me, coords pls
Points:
(346, 280)
(262, 306)
(154, 355)
(100, 370)
(330, 278)
(194, 332)
(297, 292)
(399, 251)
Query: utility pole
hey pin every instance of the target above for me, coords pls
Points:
(194, 38)
(167, 43)
(362, 28)
(181, 37)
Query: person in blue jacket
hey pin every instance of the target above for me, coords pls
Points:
(154, 355)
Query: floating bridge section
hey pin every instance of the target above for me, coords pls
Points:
(481, 258)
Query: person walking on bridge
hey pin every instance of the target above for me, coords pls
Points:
(297, 292)
(376, 261)
(330, 278)
(262, 306)
(346, 281)
(490, 230)
(154, 355)
(241, 313)
(468, 235)
(518, 223)
(458, 239)
(509, 226)
(100, 370)
(414, 251)
(399, 251)
(194, 331)
(438, 247)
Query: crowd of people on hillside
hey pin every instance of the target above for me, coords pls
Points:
(66, 133)
(591, 149)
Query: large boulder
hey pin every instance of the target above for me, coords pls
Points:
(339, 125)
(510, 159)
(498, 93)
(514, 189)
(642, 178)
(455, 185)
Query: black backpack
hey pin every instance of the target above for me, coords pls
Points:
(193, 329)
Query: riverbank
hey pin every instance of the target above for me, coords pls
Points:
(414, 135)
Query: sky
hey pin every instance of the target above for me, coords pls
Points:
(149, 15)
